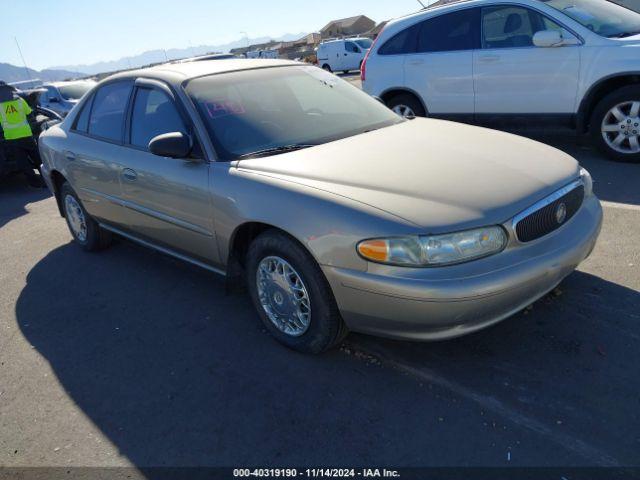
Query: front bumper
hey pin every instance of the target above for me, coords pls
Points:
(442, 303)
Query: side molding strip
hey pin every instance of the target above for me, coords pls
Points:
(164, 250)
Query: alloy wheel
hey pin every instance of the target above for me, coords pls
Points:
(621, 127)
(283, 296)
(404, 111)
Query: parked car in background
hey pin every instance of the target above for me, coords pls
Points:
(61, 97)
(204, 58)
(338, 214)
(270, 54)
(571, 62)
(343, 55)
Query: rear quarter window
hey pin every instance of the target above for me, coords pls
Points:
(401, 43)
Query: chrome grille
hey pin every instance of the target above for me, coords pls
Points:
(550, 214)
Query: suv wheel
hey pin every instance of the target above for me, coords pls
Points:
(615, 124)
(84, 229)
(407, 106)
(327, 67)
(292, 296)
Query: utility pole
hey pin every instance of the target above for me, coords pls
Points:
(23, 62)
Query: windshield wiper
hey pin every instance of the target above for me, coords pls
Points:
(276, 150)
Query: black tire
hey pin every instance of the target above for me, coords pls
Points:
(326, 328)
(96, 237)
(408, 100)
(346, 72)
(327, 67)
(622, 95)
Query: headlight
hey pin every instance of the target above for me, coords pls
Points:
(435, 250)
(585, 176)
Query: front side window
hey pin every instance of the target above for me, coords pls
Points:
(365, 43)
(451, 32)
(351, 47)
(604, 18)
(253, 111)
(513, 27)
(108, 112)
(154, 113)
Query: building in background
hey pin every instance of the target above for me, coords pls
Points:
(344, 27)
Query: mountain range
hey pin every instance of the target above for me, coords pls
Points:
(157, 56)
(11, 73)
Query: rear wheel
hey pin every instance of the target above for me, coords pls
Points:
(327, 67)
(291, 294)
(406, 105)
(615, 125)
(84, 229)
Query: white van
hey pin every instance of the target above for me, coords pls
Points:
(343, 55)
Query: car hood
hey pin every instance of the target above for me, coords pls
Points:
(441, 176)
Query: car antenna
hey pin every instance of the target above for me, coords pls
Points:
(423, 5)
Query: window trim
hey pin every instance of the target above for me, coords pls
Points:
(529, 9)
(480, 28)
(188, 124)
(92, 100)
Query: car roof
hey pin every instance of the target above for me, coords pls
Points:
(67, 82)
(177, 73)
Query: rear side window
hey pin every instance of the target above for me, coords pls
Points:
(154, 113)
(402, 43)
(451, 32)
(82, 123)
(108, 112)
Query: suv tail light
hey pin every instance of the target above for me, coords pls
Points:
(363, 67)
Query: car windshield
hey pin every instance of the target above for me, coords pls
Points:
(74, 91)
(276, 110)
(365, 43)
(604, 18)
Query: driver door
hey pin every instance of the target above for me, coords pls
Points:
(167, 199)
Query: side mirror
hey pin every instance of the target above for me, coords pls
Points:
(548, 38)
(173, 145)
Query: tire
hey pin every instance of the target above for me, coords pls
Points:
(325, 328)
(327, 67)
(399, 103)
(346, 72)
(94, 238)
(624, 97)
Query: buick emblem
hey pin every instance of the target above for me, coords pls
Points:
(561, 213)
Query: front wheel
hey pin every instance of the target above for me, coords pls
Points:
(84, 229)
(327, 67)
(615, 125)
(291, 294)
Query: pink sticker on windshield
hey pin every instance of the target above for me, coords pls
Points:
(224, 108)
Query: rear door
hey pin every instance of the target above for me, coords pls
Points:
(96, 153)
(167, 199)
(512, 76)
(441, 69)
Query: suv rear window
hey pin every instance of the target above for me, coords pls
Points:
(451, 32)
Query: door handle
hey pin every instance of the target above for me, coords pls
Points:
(416, 62)
(129, 175)
(69, 156)
(489, 58)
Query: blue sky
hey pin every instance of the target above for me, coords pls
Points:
(71, 32)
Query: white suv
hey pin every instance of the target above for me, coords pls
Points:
(575, 62)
